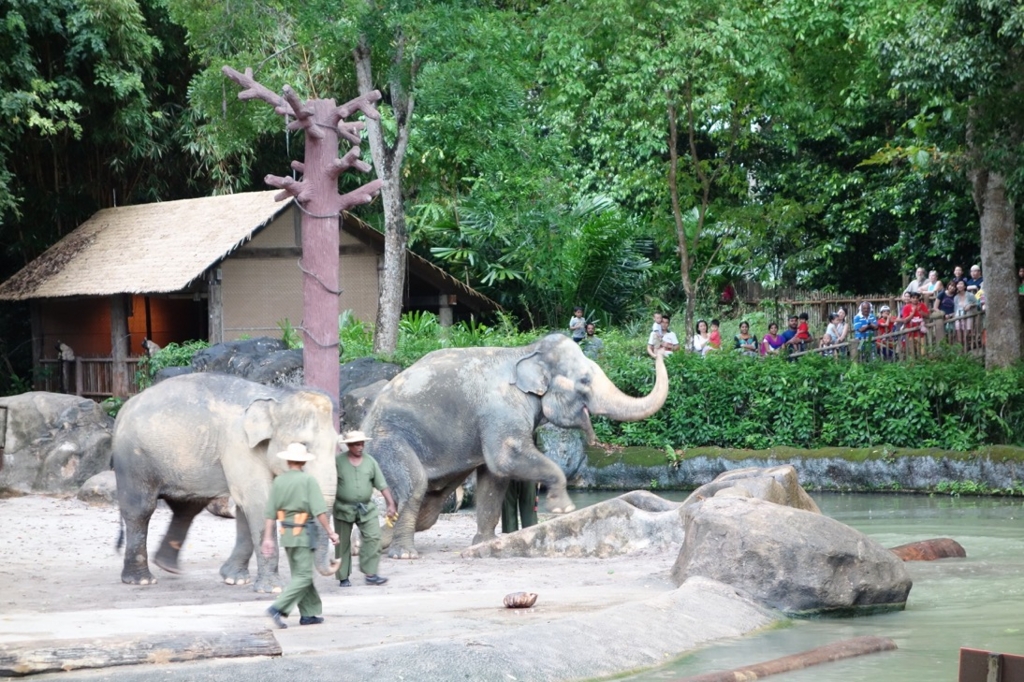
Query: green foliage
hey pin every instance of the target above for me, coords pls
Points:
(356, 337)
(171, 355)
(113, 405)
(289, 334)
(730, 401)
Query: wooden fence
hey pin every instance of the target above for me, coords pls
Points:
(88, 377)
(966, 333)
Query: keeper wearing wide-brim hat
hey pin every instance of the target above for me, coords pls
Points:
(296, 452)
(352, 437)
(358, 476)
(294, 500)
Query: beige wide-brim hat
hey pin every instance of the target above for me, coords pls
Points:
(296, 452)
(353, 437)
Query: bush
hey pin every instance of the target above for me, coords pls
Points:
(171, 355)
(730, 401)
(727, 400)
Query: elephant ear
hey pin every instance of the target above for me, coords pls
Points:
(531, 374)
(257, 423)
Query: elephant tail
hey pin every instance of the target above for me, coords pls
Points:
(119, 545)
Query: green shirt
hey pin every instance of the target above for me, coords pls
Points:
(293, 492)
(356, 484)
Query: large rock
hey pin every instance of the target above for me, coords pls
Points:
(357, 402)
(779, 484)
(54, 443)
(169, 372)
(263, 360)
(364, 372)
(799, 562)
(630, 523)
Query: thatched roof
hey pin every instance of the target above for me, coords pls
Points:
(143, 249)
(163, 247)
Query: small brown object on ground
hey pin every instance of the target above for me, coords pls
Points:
(847, 648)
(930, 550)
(520, 600)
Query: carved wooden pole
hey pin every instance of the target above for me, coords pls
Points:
(316, 195)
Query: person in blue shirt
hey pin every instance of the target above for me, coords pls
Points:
(865, 324)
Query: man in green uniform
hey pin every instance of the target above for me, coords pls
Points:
(358, 475)
(295, 499)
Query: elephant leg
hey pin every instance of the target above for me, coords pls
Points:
(401, 544)
(183, 512)
(488, 498)
(524, 462)
(267, 578)
(235, 570)
(136, 514)
(433, 504)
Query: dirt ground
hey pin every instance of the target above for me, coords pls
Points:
(60, 577)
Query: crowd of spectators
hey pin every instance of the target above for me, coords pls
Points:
(926, 298)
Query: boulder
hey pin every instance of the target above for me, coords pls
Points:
(357, 402)
(54, 443)
(564, 447)
(779, 484)
(168, 372)
(365, 371)
(100, 490)
(263, 360)
(799, 562)
(626, 524)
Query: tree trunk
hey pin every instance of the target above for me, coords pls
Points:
(999, 268)
(387, 162)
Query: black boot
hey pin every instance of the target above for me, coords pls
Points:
(278, 618)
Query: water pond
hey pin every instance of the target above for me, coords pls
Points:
(974, 602)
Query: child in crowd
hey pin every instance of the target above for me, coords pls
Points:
(715, 337)
(578, 325)
(885, 326)
(803, 329)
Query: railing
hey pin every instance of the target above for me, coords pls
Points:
(965, 332)
(87, 377)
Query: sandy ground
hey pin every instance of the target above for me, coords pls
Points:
(60, 579)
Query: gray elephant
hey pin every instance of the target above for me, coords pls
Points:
(193, 438)
(465, 409)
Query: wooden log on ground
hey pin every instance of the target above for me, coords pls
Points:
(930, 550)
(847, 648)
(27, 658)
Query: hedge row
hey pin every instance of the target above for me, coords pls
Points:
(730, 401)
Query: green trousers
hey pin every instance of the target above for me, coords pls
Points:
(301, 589)
(520, 502)
(369, 552)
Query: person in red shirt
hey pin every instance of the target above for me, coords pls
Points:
(886, 325)
(913, 316)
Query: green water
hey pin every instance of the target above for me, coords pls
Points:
(975, 602)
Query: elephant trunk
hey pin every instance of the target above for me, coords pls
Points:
(323, 552)
(607, 400)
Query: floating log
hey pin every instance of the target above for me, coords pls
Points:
(930, 550)
(847, 648)
(27, 658)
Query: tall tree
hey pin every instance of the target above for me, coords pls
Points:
(90, 97)
(962, 59)
(662, 110)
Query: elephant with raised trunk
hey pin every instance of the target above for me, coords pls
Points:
(193, 438)
(476, 409)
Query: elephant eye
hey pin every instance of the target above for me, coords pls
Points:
(585, 380)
